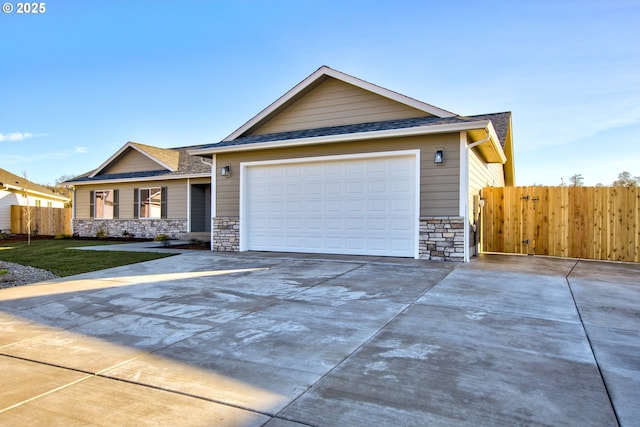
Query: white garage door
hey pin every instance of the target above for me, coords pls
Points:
(359, 206)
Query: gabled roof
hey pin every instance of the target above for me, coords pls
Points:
(316, 78)
(166, 158)
(16, 183)
(183, 166)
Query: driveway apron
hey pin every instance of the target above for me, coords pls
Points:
(290, 339)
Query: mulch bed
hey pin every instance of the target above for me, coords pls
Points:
(204, 246)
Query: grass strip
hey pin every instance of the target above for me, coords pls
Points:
(52, 255)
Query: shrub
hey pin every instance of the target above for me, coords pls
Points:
(62, 236)
(162, 238)
(102, 233)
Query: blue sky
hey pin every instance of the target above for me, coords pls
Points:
(80, 80)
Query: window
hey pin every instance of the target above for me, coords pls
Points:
(38, 203)
(150, 202)
(104, 204)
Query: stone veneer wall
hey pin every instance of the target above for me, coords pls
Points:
(142, 228)
(442, 238)
(226, 234)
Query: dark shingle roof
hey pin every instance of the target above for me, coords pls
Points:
(189, 165)
(499, 120)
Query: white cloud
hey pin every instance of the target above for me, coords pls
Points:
(81, 150)
(15, 136)
(11, 159)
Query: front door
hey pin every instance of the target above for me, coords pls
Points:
(200, 208)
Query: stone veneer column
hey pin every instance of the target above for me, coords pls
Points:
(442, 238)
(226, 234)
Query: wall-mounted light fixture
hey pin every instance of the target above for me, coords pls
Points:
(225, 171)
(438, 158)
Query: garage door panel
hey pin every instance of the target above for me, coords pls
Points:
(334, 188)
(333, 224)
(351, 206)
(400, 225)
(313, 188)
(313, 207)
(272, 207)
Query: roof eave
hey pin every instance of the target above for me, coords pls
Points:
(145, 179)
(491, 150)
(36, 193)
(358, 136)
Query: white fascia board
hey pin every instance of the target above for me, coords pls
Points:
(154, 178)
(391, 133)
(122, 150)
(330, 72)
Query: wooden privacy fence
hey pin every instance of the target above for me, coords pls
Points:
(576, 222)
(44, 221)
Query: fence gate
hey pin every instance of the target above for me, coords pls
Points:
(576, 222)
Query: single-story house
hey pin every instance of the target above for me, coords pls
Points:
(336, 165)
(17, 190)
(144, 191)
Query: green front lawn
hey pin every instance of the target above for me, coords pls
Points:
(54, 255)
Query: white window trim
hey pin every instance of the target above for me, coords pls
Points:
(140, 203)
(95, 204)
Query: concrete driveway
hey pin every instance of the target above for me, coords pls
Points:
(287, 340)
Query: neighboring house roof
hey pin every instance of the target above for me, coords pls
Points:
(15, 183)
(172, 163)
(318, 77)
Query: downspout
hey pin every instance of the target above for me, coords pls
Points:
(482, 141)
(468, 148)
(188, 206)
(212, 164)
(73, 211)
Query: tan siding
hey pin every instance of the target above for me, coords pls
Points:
(484, 174)
(132, 161)
(334, 103)
(176, 204)
(439, 185)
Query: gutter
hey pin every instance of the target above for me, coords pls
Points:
(357, 136)
(154, 178)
